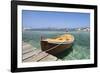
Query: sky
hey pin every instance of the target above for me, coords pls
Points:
(51, 19)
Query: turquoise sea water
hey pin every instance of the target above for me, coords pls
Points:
(79, 50)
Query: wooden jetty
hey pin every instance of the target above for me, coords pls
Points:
(31, 54)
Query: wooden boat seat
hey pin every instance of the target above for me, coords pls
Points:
(60, 39)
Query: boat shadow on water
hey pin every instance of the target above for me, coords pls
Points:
(64, 53)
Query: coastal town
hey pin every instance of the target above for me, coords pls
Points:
(58, 29)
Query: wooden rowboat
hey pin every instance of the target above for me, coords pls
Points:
(57, 44)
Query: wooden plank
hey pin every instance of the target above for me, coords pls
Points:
(27, 50)
(59, 60)
(28, 60)
(29, 54)
(23, 43)
(40, 56)
(27, 46)
(49, 58)
(37, 57)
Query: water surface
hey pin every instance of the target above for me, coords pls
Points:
(79, 50)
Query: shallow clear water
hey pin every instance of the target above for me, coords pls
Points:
(79, 50)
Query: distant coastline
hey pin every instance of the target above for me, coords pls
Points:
(58, 29)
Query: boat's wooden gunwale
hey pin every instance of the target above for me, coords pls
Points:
(45, 45)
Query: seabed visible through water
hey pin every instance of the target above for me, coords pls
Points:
(79, 50)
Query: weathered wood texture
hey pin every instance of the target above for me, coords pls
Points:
(31, 54)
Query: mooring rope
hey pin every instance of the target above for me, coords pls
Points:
(53, 47)
(50, 48)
